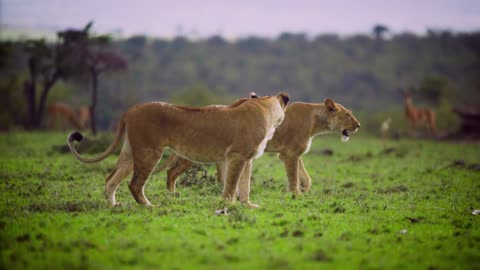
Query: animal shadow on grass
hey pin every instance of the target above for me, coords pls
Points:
(69, 206)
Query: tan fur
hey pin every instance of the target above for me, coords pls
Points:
(233, 135)
(84, 116)
(292, 139)
(65, 114)
(418, 116)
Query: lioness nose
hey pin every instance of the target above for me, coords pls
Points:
(358, 125)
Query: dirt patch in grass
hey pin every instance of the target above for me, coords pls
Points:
(324, 152)
(360, 157)
(415, 219)
(393, 189)
(348, 185)
(320, 256)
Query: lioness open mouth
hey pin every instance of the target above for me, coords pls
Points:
(345, 135)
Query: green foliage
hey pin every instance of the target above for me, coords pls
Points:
(434, 89)
(446, 119)
(197, 95)
(373, 204)
(358, 71)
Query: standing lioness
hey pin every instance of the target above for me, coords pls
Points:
(234, 135)
(292, 139)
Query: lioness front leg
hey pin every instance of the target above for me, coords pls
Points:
(235, 167)
(244, 185)
(305, 179)
(291, 165)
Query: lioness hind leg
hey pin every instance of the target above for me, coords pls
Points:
(144, 163)
(180, 166)
(112, 185)
(122, 169)
(305, 179)
(235, 167)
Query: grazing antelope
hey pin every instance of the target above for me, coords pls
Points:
(84, 116)
(68, 116)
(423, 116)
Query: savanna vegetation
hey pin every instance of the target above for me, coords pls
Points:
(364, 72)
(373, 205)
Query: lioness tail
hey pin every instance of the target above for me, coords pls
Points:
(77, 136)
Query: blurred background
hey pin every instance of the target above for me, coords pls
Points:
(108, 55)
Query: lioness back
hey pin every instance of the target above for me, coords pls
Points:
(220, 127)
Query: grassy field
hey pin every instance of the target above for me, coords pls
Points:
(373, 205)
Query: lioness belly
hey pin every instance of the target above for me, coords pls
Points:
(199, 153)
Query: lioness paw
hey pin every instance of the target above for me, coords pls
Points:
(251, 205)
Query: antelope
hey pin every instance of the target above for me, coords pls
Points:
(68, 116)
(423, 116)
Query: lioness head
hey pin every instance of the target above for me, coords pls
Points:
(340, 119)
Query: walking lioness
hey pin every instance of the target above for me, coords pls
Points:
(292, 139)
(234, 135)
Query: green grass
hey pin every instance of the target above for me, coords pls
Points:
(372, 205)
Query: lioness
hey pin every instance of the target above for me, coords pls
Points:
(234, 135)
(292, 139)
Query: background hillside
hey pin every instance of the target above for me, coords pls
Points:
(365, 72)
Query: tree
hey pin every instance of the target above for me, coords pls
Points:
(90, 55)
(10, 69)
(100, 61)
(47, 64)
(434, 89)
(379, 31)
(41, 63)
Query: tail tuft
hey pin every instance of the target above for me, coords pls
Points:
(75, 136)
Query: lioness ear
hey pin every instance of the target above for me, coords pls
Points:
(253, 95)
(330, 104)
(284, 98)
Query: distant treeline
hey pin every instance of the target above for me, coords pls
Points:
(365, 72)
(359, 70)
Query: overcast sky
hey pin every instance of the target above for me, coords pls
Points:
(239, 18)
